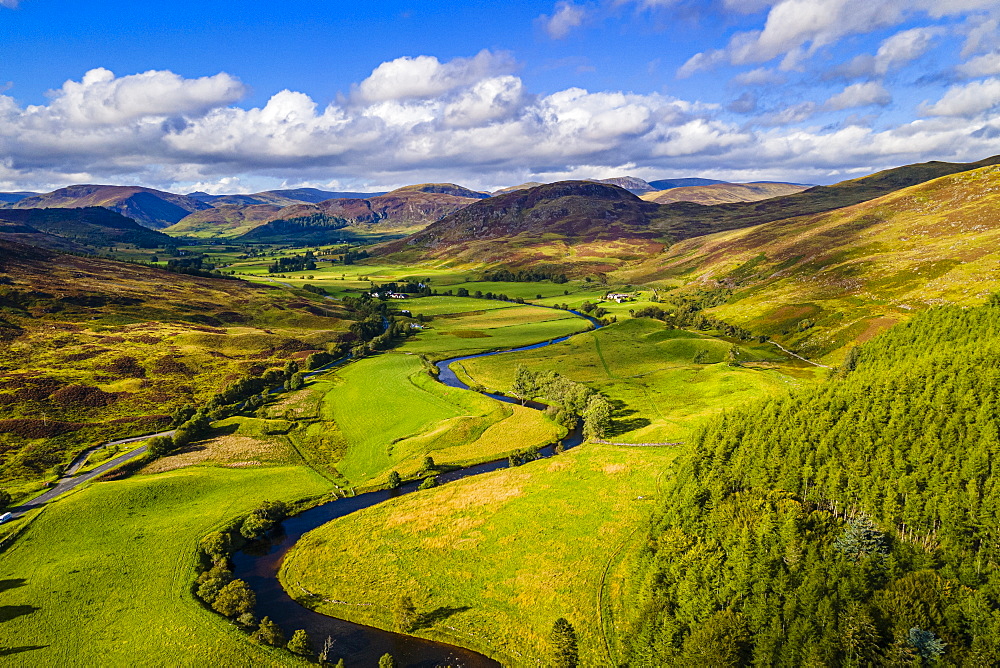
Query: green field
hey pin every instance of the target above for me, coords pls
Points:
(663, 393)
(102, 577)
(391, 413)
(492, 561)
(461, 331)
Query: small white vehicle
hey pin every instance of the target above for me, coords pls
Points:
(5, 517)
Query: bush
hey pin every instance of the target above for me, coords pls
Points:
(235, 599)
(300, 644)
(269, 633)
(429, 482)
(160, 446)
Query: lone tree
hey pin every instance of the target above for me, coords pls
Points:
(597, 417)
(428, 483)
(387, 662)
(269, 633)
(235, 599)
(563, 641)
(300, 644)
(394, 480)
(405, 614)
(428, 464)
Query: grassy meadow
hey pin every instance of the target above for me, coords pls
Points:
(391, 413)
(649, 372)
(491, 561)
(102, 577)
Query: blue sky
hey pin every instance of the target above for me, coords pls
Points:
(234, 96)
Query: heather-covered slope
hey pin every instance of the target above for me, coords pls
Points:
(723, 193)
(820, 282)
(152, 208)
(573, 222)
(86, 229)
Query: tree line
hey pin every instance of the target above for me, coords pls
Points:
(857, 523)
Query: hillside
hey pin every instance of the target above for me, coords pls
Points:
(152, 208)
(666, 184)
(401, 211)
(10, 198)
(279, 198)
(817, 283)
(723, 193)
(79, 230)
(854, 524)
(94, 348)
(572, 222)
(683, 220)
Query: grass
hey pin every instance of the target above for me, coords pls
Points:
(649, 372)
(491, 561)
(102, 577)
(461, 331)
(853, 272)
(134, 344)
(391, 413)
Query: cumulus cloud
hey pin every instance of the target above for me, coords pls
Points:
(469, 120)
(860, 95)
(564, 19)
(101, 98)
(426, 76)
(980, 66)
(968, 100)
(796, 29)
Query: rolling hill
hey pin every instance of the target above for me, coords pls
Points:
(572, 222)
(723, 193)
(151, 208)
(278, 197)
(401, 211)
(592, 226)
(820, 282)
(10, 198)
(683, 220)
(87, 229)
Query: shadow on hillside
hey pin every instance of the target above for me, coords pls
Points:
(9, 612)
(621, 422)
(12, 584)
(7, 651)
(433, 617)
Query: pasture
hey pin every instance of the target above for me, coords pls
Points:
(391, 413)
(491, 561)
(102, 577)
(664, 383)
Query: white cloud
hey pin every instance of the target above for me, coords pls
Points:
(796, 29)
(760, 77)
(12, 4)
(426, 76)
(101, 98)
(480, 128)
(860, 95)
(980, 66)
(564, 19)
(967, 101)
(903, 47)
(982, 34)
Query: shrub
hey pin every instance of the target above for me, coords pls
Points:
(235, 599)
(300, 644)
(269, 633)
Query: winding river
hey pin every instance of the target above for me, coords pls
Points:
(360, 645)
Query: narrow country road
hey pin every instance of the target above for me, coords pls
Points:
(72, 481)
